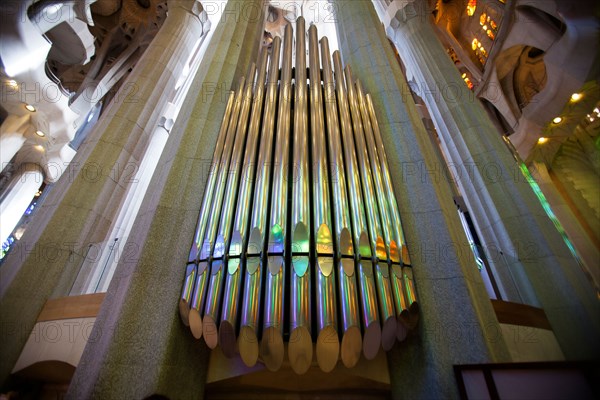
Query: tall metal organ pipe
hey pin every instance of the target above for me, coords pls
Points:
(300, 347)
(214, 293)
(207, 245)
(402, 271)
(255, 267)
(190, 282)
(375, 216)
(234, 265)
(351, 345)
(325, 285)
(366, 279)
(271, 345)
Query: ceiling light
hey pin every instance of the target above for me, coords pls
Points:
(12, 83)
(576, 96)
(40, 133)
(29, 107)
(557, 120)
(542, 140)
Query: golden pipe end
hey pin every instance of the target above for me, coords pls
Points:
(209, 331)
(388, 333)
(227, 339)
(195, 323)
(328, 349)
(351, 346)
(184, 312)
(248, 345)
(271, 348)
(300, 349)
(372, 340)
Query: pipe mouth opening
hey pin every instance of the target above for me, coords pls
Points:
(248, 346)
(271, 348)
(209, 331)
(328, 348)
(300, 350)
(184, 312)
(195, 321)
(388, 333)
(351, 347)
(372, 340)
(227, 339)
(401, 326)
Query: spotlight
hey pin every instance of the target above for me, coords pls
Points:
(557, 120)
(29, 107)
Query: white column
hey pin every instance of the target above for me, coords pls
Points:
(12, 137)
(21, 191)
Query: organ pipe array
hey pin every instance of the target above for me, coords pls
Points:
(299, 242)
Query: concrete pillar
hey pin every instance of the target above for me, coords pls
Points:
(457, 324)
(143, 348)
(12, 137)
(86, 200)
(22, 189)
(506, 211)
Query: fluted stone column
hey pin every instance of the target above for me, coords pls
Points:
(87, 198)
(143, 348)
(12, 137)
(457, 324)
(22, 189)
(506, 211)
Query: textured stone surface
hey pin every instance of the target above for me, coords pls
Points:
(456, 314)
(143, 348)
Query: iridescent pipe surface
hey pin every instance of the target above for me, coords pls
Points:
(251, 305)
(210, 233)
(239, 237)
(397, 246)
(377, 217)
(351, 345)
(187, 291)
(300, 346)
(328, 345)
(271, 346)
(366, 281)
(404, 292)
(232, 175)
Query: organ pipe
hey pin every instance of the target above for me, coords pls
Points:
(327, 334)
(351, 345)
(250, 312)
(271, 345)
(300, 347)
(366, 280)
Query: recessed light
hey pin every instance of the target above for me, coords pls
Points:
(12, 83)
(542, 140)
(557, 120)
(29, 107)
(576, 96)
(40, 133)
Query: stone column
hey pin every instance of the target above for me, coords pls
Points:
(457, 324)
(23, 187)
(12, 137)
(143, 348)
(87, 198)
(509, 217)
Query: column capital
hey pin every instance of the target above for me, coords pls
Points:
(399, 12)
(193, 7)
